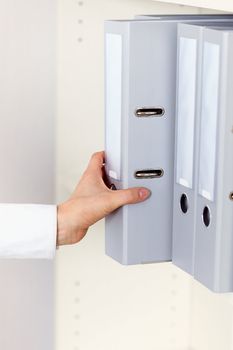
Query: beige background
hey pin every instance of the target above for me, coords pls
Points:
(27, 121)
(99, 303)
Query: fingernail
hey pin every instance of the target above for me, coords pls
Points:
(144, 193)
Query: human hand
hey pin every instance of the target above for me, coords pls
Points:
(91, 201)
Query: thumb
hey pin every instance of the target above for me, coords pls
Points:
(129, 196)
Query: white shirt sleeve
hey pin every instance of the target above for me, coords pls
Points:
(28, 231)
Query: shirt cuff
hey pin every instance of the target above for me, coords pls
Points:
(28, 231)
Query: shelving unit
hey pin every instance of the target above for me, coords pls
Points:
(99, 303)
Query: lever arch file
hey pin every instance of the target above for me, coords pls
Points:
(213, 265)
(140, 85)
(189, 56)
(195, 158)
(140, 116)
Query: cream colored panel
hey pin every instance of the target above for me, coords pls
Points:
(212, 319)
(103, 305)
(99, 303)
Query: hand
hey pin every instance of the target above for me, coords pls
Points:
(91, 201)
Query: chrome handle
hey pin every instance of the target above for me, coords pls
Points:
(149, 112)
(148, 173)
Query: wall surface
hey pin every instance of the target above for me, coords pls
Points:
(27, 110)
(101, 304)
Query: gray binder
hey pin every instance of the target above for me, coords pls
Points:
(140, 110)
(213, 264)
(139, 137)
(189, 72)
(189, 57)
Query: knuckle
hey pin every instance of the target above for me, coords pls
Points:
(94, 155)
(129, 196)
(133, 195)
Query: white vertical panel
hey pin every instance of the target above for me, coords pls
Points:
(27, 107)
(186, 110)
(113, 61)
(27, 305)
(209, 114)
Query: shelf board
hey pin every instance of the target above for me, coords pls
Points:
(221, 5)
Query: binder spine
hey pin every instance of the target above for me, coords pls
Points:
(206, 238)
(142, 233)
(210, 249)
(187, 123)
(224, 251)
(214, 241)
(116, 82)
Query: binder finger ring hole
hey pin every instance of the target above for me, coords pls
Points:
(148, 174)
(149, 112)
(206, 216)
(184, 203)
(231, 196)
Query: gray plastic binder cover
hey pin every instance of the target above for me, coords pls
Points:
(214, 220)
(136, 143)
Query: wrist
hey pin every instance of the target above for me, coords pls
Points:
(68, 230)
(61, 226)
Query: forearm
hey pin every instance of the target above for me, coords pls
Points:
(28, 231)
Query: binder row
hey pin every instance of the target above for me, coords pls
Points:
(203, 207)
(169, 120)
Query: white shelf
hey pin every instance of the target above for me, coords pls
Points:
(221, 5)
